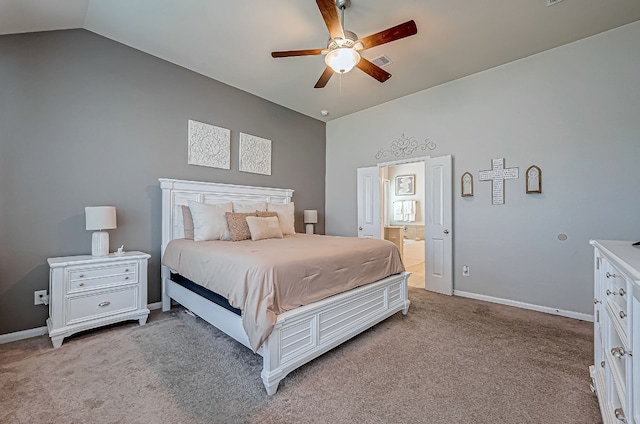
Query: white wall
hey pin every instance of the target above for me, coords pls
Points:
(573, 111)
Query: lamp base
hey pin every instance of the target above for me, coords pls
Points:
(100, 243)
(309, 228)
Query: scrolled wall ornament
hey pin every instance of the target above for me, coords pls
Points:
(405, 146)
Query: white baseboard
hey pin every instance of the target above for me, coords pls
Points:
(35, 332)
(24, 334)
(152, 306)
(545, 309)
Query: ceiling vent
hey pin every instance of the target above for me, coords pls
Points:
(552, 2)
(383, 60)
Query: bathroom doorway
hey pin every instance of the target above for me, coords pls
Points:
(403, 215)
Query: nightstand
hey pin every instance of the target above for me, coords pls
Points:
(88, 291)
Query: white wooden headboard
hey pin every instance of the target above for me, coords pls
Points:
(176, 193)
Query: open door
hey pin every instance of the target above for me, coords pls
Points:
(438, 220)
(368, 188)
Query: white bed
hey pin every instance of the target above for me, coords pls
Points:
(299, 335)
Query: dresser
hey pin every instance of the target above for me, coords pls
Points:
(616, 371)
(86, 292)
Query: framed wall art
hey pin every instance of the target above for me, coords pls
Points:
(209, 145)
(534, 179)
(255, 154)
(405, 185)
(466, 183)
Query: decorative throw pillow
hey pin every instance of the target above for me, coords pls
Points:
(249, 206)
(262, 214)
(209, 222)
(187, 222)
(264, 228)
(285, 216)
(238, 227)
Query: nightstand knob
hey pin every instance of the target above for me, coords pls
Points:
(103, 304)
(81, 284)
(81, 276)
(126, 278)
(126, 270)
(623, 314)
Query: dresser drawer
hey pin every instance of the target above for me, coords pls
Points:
(616, 288)
(618, 358)
(96, 277)
(102, 303)
(619, 319)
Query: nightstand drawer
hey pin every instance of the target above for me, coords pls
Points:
(100, 304)
(91, 278)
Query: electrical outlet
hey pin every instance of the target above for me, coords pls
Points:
(465, 270)
(39, 296)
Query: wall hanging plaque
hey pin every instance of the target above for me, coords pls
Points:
(209, 145)
(466, 184)
(534, 179)
(497, 174)
(255, 154)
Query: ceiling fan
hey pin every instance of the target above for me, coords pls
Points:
(344, 47)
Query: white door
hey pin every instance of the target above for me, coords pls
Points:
(368, 188)
(438, 220)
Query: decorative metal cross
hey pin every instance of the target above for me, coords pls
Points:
(497, 174)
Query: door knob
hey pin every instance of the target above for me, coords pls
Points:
(446, 231)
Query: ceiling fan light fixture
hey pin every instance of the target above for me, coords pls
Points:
(342, 59)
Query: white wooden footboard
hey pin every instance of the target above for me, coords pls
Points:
(307, 332)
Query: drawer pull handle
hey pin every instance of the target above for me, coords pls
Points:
(81, 284)
(609, 275)
(602, 364)
(596, 301)
(107, 303)
(623, 314)
(609, 292)
(126, 278)
(619, 352)
(622, 291)
(126, 270)
(81, 276)
(619, 413)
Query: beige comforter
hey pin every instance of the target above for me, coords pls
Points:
(267, 277)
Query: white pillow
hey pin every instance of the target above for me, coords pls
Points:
(187, 222)
(247, 207)
(285, 216)
(264, 228)
(209, 222)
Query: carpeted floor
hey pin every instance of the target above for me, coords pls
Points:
(450, 360)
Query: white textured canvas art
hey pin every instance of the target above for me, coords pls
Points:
(209, 145)
(255, 154)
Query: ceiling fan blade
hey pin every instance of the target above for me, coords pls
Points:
(331, 18)
(324, 78)
(388, 35)
(373, 70)
(289, 53)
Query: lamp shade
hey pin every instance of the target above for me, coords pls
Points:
(342, 59)
(310, 217)
(100, 217)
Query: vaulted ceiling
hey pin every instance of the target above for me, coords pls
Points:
(231, 41)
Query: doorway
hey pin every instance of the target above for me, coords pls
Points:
(437, 211)
(403, 202)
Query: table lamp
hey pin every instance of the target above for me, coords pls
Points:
(100, 218)
(310, 218)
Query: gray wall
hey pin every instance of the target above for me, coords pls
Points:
(87, 121)
(573, 111)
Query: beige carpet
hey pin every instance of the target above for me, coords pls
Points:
(450, 360)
